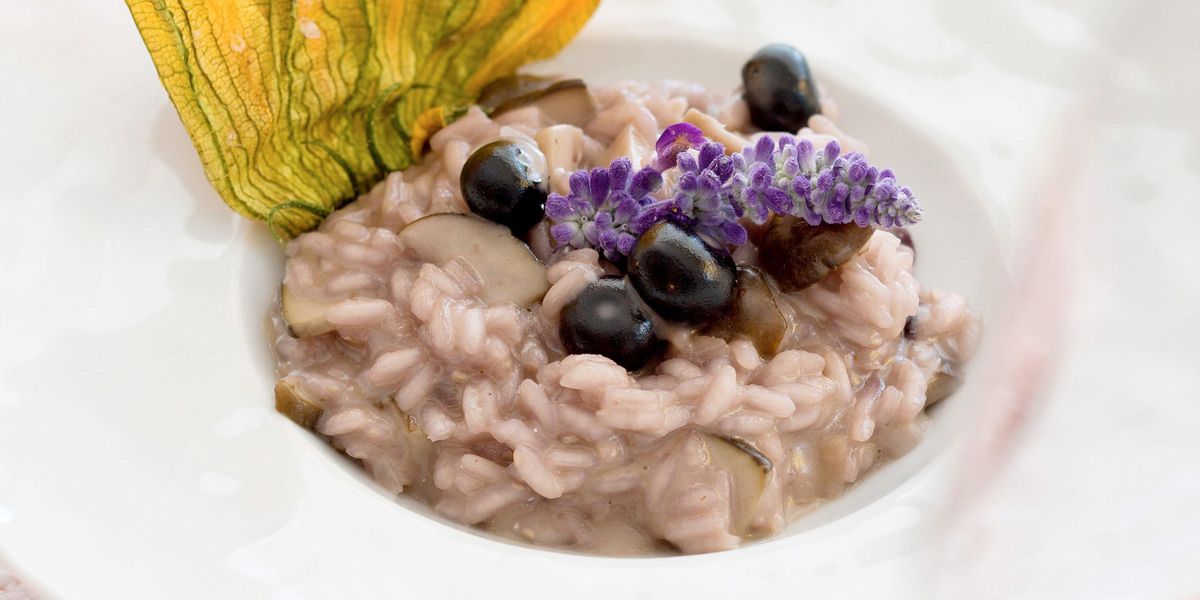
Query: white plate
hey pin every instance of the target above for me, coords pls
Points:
(139, 453)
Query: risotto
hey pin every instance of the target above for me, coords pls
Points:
(446, 358)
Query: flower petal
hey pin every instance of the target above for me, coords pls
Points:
(832, 150)
(618, 173)
(563, 233)
(646, 181)
(760, 176)
(579, 183)
(709, 152)
(687, 162)
(763, 149)
(675, 139)
(625, 211)
(778, 201)
(733, 233)
(722, 167)
(558, 208)
(625, 243)
(598, 183)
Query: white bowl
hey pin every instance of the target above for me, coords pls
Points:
(141, 457)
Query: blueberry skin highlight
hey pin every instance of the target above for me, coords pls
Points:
(607, 319)
(500, 184)
(680, 276)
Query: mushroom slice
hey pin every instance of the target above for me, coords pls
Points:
(755, 314)
(305, 317)
(510, 271)
(944, 382)
(293, 402)
(560, 101)
(798, 254)
(749, 470)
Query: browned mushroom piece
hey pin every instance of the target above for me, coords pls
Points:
(798, 255)
(755, 314)
(293, 402)
(560, 100)
(305, 317)
(749, 470)
(942, 384)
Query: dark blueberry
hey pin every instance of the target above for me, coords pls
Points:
(680, 276)
(910, 328)
(779, 89)
(605, 318)
(798, 255)
(504, 182)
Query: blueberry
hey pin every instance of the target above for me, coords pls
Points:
(605, 318)
(681, 277)
(504, 181)
(779, 89)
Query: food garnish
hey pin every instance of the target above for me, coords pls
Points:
(597, 212)
(714, 192)
(298, 107)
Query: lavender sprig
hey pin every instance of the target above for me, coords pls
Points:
(792, 178)
(701, 198)
(602, 203)
(607, 208)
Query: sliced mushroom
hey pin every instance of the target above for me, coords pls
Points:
(560, 101)
(833, 455)
(510, 271)
(749, 470)
(627, 143)
(509, 88)
(798, 254)
(420, 447)
(944, 382)
(755, 314)
(305, 317)
(715, 131)
(562, 145)
(293, 402)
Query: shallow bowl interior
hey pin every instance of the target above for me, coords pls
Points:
(956, 245)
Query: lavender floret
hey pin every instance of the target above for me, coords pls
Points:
(598, 211)
(608, 208)
(674, 140)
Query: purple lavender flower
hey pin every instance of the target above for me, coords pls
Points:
(675, 139)
(791, 177)
(608, 208)
(601, 206)
(702, 194)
